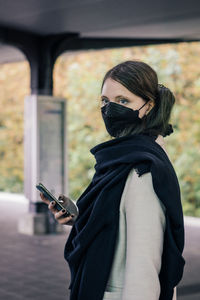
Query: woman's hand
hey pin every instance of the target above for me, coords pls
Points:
(59, 215)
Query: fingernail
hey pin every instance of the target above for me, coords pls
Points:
(63, 210)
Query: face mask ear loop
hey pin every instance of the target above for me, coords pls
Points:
(143, 105)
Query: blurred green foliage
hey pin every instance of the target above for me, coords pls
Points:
(78, 77)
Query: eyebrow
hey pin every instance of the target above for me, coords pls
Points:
(119, 96)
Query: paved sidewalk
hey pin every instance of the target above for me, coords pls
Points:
(33, 267)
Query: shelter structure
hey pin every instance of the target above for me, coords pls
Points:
(40, 31)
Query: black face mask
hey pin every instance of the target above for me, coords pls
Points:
(116, 117)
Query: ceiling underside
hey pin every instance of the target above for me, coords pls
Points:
(142, 19)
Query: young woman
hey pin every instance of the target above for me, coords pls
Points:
(128, 238)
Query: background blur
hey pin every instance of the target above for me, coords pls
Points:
(78, 77)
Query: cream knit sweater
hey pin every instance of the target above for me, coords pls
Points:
(139, 245)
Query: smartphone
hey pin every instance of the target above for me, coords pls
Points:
(51, 197)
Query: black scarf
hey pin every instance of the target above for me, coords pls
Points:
(90, 247)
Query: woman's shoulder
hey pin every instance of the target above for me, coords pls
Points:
(137, 180)
(161, 142)
(139, 191)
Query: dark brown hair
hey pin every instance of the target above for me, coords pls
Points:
(140, 79)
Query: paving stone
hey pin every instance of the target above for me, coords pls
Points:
(33, 267)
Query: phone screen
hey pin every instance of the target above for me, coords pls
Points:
(51, 197)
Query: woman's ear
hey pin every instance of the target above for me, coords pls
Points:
(149, 106)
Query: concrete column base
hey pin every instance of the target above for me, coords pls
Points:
(38, 223)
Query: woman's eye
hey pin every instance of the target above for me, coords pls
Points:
(104, 100)
(126, 101)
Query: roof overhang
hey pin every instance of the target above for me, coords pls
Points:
(142, 22)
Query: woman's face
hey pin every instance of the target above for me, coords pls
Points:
(113, 91)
